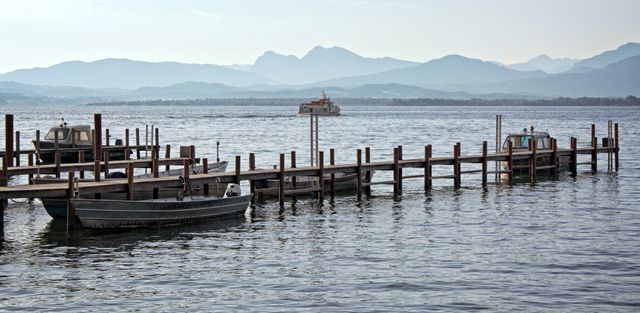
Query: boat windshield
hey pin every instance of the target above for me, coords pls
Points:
(62, 134)
(522, 142)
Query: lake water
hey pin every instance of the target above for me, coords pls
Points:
(559, 244)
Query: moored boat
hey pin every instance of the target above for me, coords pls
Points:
(520, 142)
(66, 136)
(322, 106)
(100, 213)
(57, 207)
(342, 183)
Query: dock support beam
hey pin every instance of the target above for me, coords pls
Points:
(399, 169)
(332, 180)
(97, 136)
(427, 168)
(396, 175)
(359, 173)
(252, 167)
(574, 156)
(237, 172)
(510, 161)
(294, 183)
(281, 182)
(321, 176)
(594, 151)
(167, 154)
(457, 181)
(130, 181)
(8, 137)
(205, 170)
(17, 151)
(554, 156)
(367, 160)
(484, 164)
(70, 213)
(617, 144)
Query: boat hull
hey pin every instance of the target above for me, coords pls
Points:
(343, 183)
(57, 207)
(94, 213)
(49, 157)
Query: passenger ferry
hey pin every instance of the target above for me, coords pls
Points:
(322, 106)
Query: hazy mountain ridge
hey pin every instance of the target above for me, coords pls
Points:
(129, 74)
(546, 64)
(452, 76)
(321, 64)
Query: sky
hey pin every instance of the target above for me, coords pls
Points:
(40, 33)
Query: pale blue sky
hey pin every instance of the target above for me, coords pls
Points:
(44, 32)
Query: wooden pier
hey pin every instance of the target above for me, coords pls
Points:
(362, 168)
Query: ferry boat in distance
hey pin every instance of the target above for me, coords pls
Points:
(323, 106)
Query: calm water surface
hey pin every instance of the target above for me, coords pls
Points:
(560, 244)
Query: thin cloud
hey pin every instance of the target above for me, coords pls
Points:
(207, 14)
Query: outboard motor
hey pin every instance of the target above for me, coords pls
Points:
(233, 190)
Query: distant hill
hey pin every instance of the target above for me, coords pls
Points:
(451, 69)
(129, 74)
(545, 63)
(186, 90)
(608, 57)
(321, 64)
(619, 79)
(57, 92)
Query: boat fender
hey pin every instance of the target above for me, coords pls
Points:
(233, 190)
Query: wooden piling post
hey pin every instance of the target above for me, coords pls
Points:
(321, 176)
(8, 141)
(367, 177)
(81, 160)
(332, 179)
(192, 154)
(17, 151)
(533, 147)
(237, 172)
(70, 194)
(126, 138)
(427, 168)
(396, 188)
(167, 154)
(616, 143)
(96, 175)
(205, 170)
(30, 163)
(554, 156)
(281, 182)
(186, 172)
(594, 149)
(359, 173)
(510, 160)
(457, 181)
(484, 164)
(293, 178)
(107, 137)
(157, 145)
(97, 137)
(106, 164)
(252, 167)
(137, 143)
(399, 169)
(130, 181)
(57, 160)
(574, 156)
(37, 146)
(155, 169)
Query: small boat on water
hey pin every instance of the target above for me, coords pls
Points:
(520, 142)
(343, 183)
(99, 213)
(57, 207)
(69, 136)
(322, 106)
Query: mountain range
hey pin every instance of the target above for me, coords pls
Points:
(613, 73)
